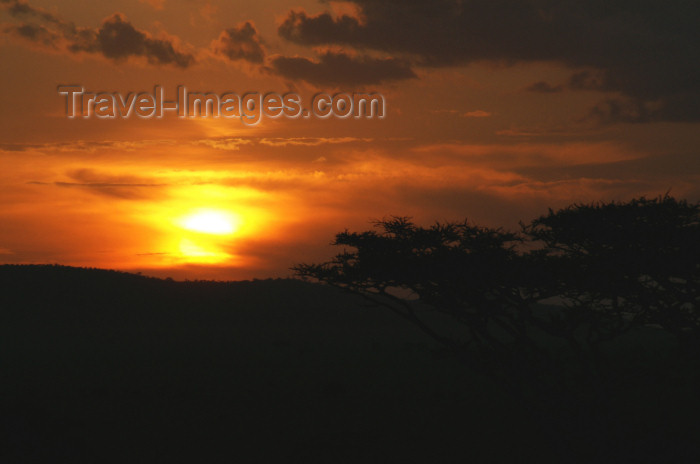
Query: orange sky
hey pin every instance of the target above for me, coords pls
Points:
(494, 113)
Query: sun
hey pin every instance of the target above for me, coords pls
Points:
(205, 235)
(208, 221)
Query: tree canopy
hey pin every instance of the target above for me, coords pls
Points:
(606, 267)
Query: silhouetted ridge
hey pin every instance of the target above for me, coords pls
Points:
(479, 367)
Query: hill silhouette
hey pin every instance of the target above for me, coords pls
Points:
(106, 366)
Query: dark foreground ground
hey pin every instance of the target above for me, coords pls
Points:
(98, 366)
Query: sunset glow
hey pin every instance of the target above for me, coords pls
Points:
(495, 134)
(201, 253)
(211, 222)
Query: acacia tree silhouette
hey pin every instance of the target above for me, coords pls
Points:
(612, 266)
(460, 270)
(623, 265)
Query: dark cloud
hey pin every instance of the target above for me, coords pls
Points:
(240, 43)
(683, 107)
(21, 9)
(643, 49)
(587, 80)
(34, 33)
(544, 87)
(115, 39)
(674, 168)
(124, 187)
(338, 68)
(122, 191)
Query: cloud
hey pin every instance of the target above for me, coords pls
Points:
(674, 108)
(219, 143)
(512, 156)
(89, 146)
(667, 169)
(155, 4)
(544, 87)
(309, 141)
(225, 143)
(34, 33)
(644, 50)
(477, 114)
(340, 68)
(240, 43)
(124, 187)
(19, 8)
(116, 38)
